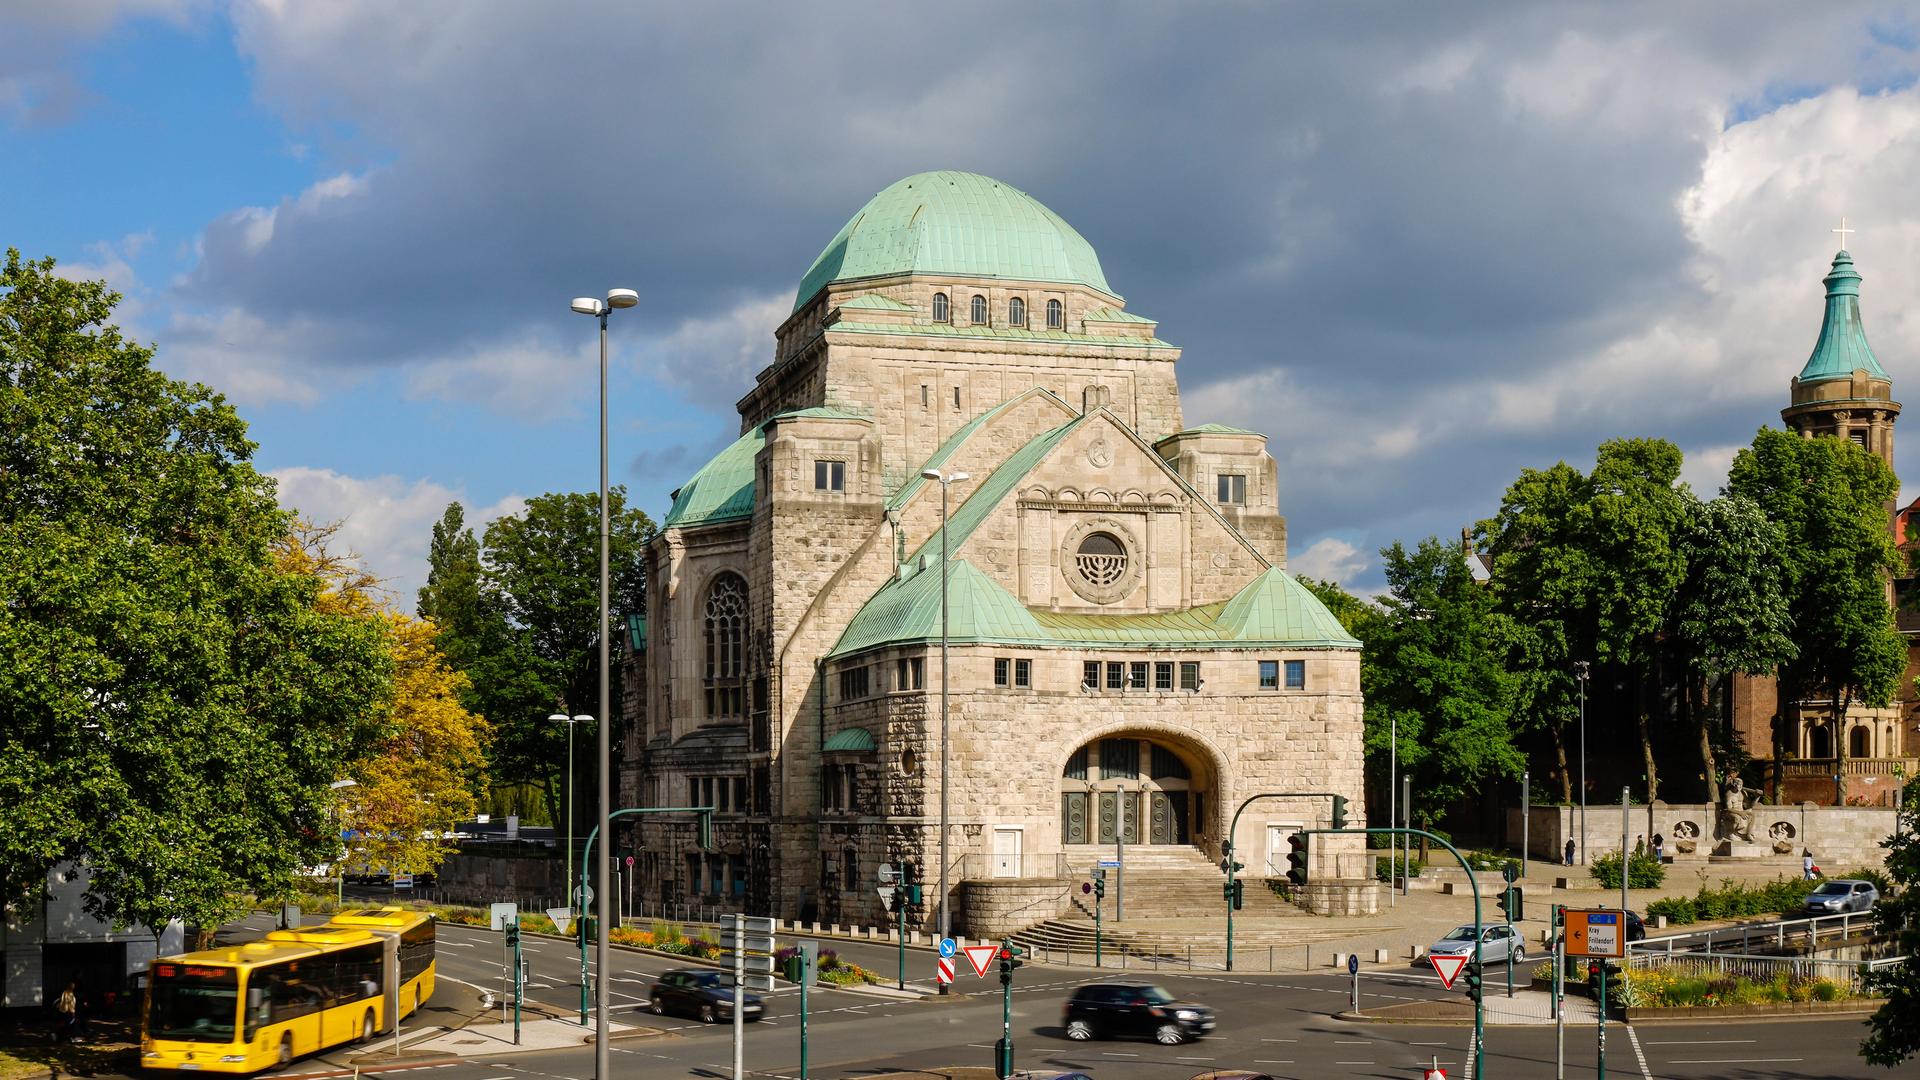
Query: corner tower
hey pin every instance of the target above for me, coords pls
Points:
(1843, 391)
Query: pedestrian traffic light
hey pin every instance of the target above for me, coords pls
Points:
(1297, 858)
(1506, 904)
(1236, 893)
(1475, 988)
(1339, 811)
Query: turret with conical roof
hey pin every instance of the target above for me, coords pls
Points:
(1842, 390)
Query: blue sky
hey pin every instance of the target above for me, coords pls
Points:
(1421, 250)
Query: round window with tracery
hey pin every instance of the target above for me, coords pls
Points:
(1102, 559)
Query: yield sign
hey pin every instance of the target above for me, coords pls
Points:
(1448, 967)
(980, 956)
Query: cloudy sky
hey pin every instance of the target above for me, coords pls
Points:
(1421, 246)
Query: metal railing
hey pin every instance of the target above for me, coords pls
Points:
(1823, 767)
(1806, 931)
(1849, 973)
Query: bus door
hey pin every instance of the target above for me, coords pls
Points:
(390, 950)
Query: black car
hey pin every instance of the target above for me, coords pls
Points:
(1109, 1010)
(1636, 929)
(698, 992)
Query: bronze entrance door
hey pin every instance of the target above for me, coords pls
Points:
(1164, 826)
(1073, 817)
(1109, 817)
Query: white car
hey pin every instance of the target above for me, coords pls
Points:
(1496, 941)
(1842, 894)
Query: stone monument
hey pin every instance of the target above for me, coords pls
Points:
(1733, 826)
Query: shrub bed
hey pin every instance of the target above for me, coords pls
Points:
(1645, 871)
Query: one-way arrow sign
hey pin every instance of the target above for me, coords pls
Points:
(1448, 967)
(980, 956)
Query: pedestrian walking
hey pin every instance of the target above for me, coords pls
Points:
(1659, 848)
(1640, 844)
(66, 1009)
(1569, 853)
(1806, 863)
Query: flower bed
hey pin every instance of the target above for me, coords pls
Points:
(666, 937)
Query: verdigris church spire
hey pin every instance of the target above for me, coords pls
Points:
(1842, 390)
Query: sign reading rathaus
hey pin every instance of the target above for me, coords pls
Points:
(1130, 656)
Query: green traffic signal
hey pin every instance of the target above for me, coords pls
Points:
(1339, 811)
(1297, 858)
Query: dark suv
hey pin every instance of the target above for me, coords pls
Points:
(1107, 1010)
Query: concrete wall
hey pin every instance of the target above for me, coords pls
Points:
(1841, 838)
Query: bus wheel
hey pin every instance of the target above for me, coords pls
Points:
(366, 1028)
(286, 1052)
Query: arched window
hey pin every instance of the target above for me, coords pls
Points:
(941, 311)
(1016, 312)
(726, 628)
(1857, 742)
(979, 312)
(1820, 742)
(1056, 315)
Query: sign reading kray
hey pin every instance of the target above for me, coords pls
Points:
(1596, 933)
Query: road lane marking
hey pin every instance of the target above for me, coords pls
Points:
(1639, 1053)
(1354, 1042)
(1279, 1040)
(1110, 1053)
(1728, 1061)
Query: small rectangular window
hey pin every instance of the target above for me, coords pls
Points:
(1163, 675)
(926, 395)
(1137, 675)
(830, 476)
(1116, 675)
(1269, 675)
(1023, 673)
(854, 683)
(1090, 674)
(909, 673)
(956, 397)
(1000, 671)
(1189, 675)
(1296, 674)
(1233, 489)
(1859, 439)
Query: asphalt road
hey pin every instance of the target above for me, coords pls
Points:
(1280, 1024)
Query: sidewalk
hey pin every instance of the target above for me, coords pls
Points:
(1524, 1008)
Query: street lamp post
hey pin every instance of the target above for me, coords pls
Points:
(563, 718)
(1393, 794)
(945, 480)
(1580, 669)
(340, 872)
(601, 309)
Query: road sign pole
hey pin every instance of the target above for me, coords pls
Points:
(739, 991)
(1097, 896)
(705, 823)
(900, 935)
(1559, 993)
(1229, 895)
(1512, 942)
(1600, 1006)
(809, 951)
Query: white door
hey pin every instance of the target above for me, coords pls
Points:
(1277, 849)
(1006, 852)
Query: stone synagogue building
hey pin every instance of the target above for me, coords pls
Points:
(1130, 657)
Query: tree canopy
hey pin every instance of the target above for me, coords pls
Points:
(174, 703)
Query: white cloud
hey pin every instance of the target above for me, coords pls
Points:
(1705, 468)
(387, 520)
(1330, 559)
(527, 377)
(715, 358)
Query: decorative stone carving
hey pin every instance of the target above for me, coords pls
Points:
(1735, 821)
(1101, 560)
(1100, 454)
(1782, 833)
(1686, 837)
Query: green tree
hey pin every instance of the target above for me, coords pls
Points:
(1895, 1026)
(173, 703)
(1355, 614)
(1436, 668)
(452, 598)
(1831, 499)
(1730, 614)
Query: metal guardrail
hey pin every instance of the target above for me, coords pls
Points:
(1850, 973)
(1780, 934)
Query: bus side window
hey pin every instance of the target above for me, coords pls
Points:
(257, 1009)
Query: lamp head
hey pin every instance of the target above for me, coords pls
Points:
(622, 298)
(958, 478)
(931, 474)
(587, 305)
(583, 718)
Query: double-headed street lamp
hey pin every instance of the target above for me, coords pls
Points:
(945, 480)
(587, 305)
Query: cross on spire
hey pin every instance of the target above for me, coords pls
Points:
(1843, 231)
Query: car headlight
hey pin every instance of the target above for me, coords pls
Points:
(1185, 1014)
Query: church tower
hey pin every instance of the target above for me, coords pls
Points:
(1843, 391)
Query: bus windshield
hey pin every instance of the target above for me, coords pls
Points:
(194, 1002)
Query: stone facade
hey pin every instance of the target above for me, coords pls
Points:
(1128, 660)
(1842, 839)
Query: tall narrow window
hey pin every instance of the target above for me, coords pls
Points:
(941, 311)
(1090, 674)
(978, 310)
(1233, 489)
(726, 631)
(926, 395)
(1056, 315)
(1189, 675)
(1116, 675)
(1000, 666)
(1016, 312)
(1296, 674)
(829, 476)
(1269, 675)
(1137, 675)
(1023, 674)
(956, 397)
(1163, 675)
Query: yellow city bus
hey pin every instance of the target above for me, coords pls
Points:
(259, 1005)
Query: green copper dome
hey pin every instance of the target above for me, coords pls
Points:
(1842, 348)
(957, 223)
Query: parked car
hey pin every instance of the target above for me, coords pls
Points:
(1842, 894)
(700, 993)
(1496, 940)
(1107, 1010)
(1636, 929)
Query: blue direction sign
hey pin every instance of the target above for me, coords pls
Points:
(1110, 864)
(1353, 963)
(947, 947)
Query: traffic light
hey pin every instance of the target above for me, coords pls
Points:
(1009, 960)
(513, 934)
(1099, 887)
(912, 892)
(706, 830)
(1506, 904)
(1297, 858)
(1236, 893)
(1475, 990)
(1339, 811)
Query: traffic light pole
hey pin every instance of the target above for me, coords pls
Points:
(900, 931)
(1226, 848)
(1479, 1010)
(1099, 893)
(586, 854)
(1003, 1050)
(1601, 1002)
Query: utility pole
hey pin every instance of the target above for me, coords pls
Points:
(1393, 793)
(1526, 819)
(1626, 853)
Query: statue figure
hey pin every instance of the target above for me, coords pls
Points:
(1736, 819)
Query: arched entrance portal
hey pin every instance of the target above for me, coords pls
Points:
(1135, 789)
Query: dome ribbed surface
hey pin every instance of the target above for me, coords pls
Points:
(957, 223)
(1842, 348)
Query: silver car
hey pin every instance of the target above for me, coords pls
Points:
(1840, 895)
(1496, 940)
